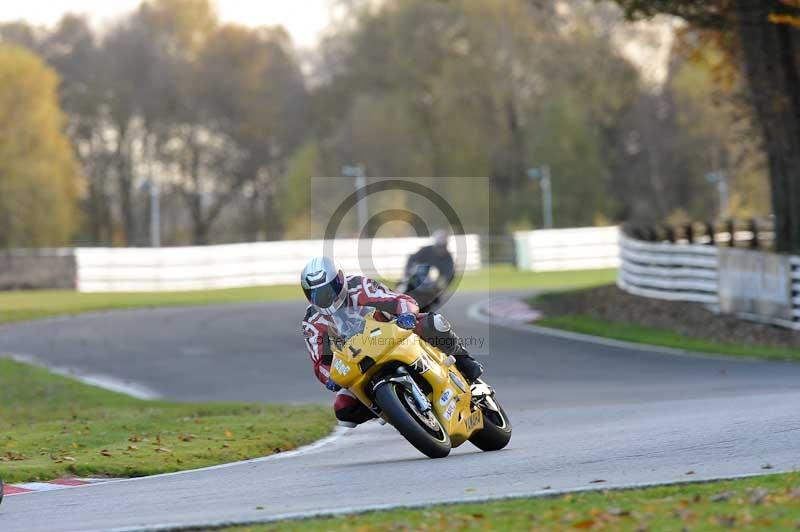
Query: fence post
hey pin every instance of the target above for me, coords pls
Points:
(753, 228)
(712, 241)
(731, 227)
(689, 231)
(670, 230)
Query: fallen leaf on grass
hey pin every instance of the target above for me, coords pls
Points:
(585, 524)
(228, 434)
(106, 452)
(721, 497)
(618, 512)
(163, 450)
(758, 495)
(68, 458)
(133, 447)
(186, 437)
(11, 456)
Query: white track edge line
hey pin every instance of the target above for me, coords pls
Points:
(475, 312)
(106, 382)
(356, 510)
(336, 434)
(131, 390)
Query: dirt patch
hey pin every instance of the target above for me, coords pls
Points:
(609, 303)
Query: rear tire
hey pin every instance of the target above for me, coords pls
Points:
(496, 431)
(400, 410)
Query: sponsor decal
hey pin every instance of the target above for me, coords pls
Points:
(341, 367)
(421, 365)
(374, 332)
(473, 420)
(450, 409)
(446, 395)
(458, 382)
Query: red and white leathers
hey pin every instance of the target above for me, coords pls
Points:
(366, 292)
(361, 292)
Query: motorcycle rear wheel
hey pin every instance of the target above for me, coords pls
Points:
(422, 430)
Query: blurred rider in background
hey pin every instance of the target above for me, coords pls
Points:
(436, 255)
(327, 289)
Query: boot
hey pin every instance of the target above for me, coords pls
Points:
(468, 366)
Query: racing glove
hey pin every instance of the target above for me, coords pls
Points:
(406, 321)
(332, 386)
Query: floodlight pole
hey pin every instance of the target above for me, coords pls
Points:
(543, 176)
(357, 171)
(155, 213)
(720, 179)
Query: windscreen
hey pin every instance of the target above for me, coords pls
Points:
(348, 321)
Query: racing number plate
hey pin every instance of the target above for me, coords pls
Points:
(474, 420)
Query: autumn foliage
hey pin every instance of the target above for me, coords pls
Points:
(39, 177)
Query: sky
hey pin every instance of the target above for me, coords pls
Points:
(303, 19)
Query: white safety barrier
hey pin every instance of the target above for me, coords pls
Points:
(583, 248)
(252, 264)
(677, 272)
(795, 261)
(683, 272)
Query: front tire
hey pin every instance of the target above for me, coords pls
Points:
(496, 431)
(424, 432)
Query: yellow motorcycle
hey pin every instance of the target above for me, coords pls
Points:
(413, 385)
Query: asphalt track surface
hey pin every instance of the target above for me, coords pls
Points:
(581, 412)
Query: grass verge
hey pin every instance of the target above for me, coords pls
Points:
(21, 306)
(29, 305)
(505, 277)
(660, 337)
(52, 426)
(759, 503)
(572, 311)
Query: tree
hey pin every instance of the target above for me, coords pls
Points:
(39, 177)
(764, 37)
(487, 88)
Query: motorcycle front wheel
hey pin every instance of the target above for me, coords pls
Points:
(496, 431)
(422, 429)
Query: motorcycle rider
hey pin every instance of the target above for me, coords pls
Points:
(436, 255)
(327, 289)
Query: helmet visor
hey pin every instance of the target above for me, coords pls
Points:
(324, 296)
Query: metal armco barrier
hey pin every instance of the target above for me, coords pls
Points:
(685, 272)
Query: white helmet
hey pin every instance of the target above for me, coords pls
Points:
(440, 238)
(324, 285)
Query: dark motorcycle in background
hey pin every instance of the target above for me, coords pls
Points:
(426, 284)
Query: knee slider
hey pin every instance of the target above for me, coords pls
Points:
(440, 323)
